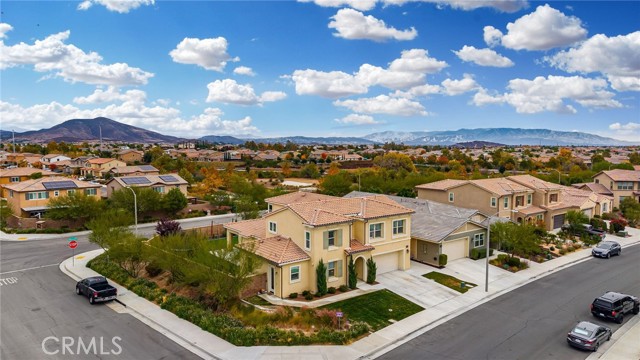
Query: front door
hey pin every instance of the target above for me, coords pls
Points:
(272, 279)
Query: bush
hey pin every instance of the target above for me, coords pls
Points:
(552, 248)
(618, 224)
(607, 216)
(343, 288)
(321, 278)
(153, 269)
(331, 290)
(293, 295)
(513, 261)
(442, 260)
(480, 253)
(503, 258)
(308, 297)
(371, 271)
(562, 251)
(306, 292)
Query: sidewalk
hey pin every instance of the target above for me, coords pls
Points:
(209, 346)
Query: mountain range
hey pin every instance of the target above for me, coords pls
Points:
(77, 130)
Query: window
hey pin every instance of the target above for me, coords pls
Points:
(295, 273)
(506, 202)
(478, 240)
(270, 208)
(375, 231)
(56, 193)
(622, 198)
(10, 193)
(15, 179)
(553, 198)
(331, 269)
(451, 195)
(611, 185)
(71, 191)
(307, 240)
(159, 189)
(37, 195)
(519, 201)
(539, 217)
(597, 181)
(605, 207)
(398, 227)
(273, 227)
(494, 202)
(331, 238)
(625, 185)
(529, 199)
(90, 191)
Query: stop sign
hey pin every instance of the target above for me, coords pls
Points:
(73, 244)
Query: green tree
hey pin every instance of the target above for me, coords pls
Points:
(372, 268)
(174, 201)
(36, 175)
(631, 210)
(353, 274)
(109, 227)
(634, 158)
(394, 161)
(310, 171)
(186, 175)
(321, 278)
(516, 239)
(336, 185)
(147, 199)
(575, 219)
(74, 206)
(246, 207)
(5, 212)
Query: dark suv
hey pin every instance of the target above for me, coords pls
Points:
(613, 305)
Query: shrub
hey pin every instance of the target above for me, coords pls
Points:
(503, 258)
(343, 288)
(513, 261)
(153, 269)
(293, 295)
(552, 248)
(166, 227)
(371, 270)
(306, 292)
(352, 273)
(618, 224)
(562, 251)
(321, 276)
(308, 297)
(331, 290)
(442, 260)
(475, 254)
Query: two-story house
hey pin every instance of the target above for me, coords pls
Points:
(134, 170)
(301, 229)
(98, 167)
(622, 183)
(31, 197)
(16, 175)
(159, 183)
(130, 156)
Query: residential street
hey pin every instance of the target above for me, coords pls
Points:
(532, 321)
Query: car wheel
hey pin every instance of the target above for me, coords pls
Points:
(620, 252)
(608, 255)
(78, 290)
(609, 337)
(595, 348)
(620, 319)
(636, 310)
(91, 301)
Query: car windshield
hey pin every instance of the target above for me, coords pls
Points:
(582, 331)
(604, 246)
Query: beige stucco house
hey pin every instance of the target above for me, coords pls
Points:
(159, 183)
(622, 183)
(97, 167)
(301, 229)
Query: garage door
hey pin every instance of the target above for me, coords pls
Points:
(455, 249)
(587, 212)
(387, 262)
(558, 220)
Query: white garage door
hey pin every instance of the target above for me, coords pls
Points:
(387, 262)
(455, 249)
(587, 212)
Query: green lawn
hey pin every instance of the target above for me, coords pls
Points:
(449, 281)
(376, 308)
(257, 300)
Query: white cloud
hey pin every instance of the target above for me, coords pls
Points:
(616, 57)
(354, 25)
(244, 70)
(210, 54)
(629, 131)
(483, 57)
(492, 36)
(357, 119)
(333, 84)
(630, 126)
(228, 91)
(549, 94)
(544, 29)
(112, 94)
(120, 6)
(4, 29)
(363, 5)
(457, 87)
(509, 6)
(69, 62)
(383, 104)
(417, 91)
(211, 122)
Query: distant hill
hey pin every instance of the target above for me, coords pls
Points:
(89, 129)
(215, 139)
(508, 136)
(476, 144)
(300, 140)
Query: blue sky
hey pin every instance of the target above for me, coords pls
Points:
(322, 67)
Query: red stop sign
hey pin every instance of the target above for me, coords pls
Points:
(73, 244)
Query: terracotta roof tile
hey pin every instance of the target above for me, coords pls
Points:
(37, 184)
(623, 175)
(535, 183)
(295, 197)
(277, 249)
(249, 228)
(356, 246)
(442, 184)
(25, 171)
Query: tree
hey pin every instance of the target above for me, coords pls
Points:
(36, 175)
(5, 212)
(516, 239)
(186, 175)
(631, 210)
(394, 161)
(336, 185)
(74, 206)
(109, 227)
(634, 158)
(353, 274)
(575, 219)
(310, 171)
(286, 168)
(166, 227)
(147, 200)
(407, 192)
(321, 278)
(372, 268)
(246, 207)
(174, 201)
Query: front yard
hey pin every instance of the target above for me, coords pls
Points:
(450, 281)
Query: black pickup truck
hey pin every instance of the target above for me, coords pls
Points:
(97, 289)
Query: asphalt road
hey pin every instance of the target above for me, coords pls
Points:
(532, 321)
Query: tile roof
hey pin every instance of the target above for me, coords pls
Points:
(249, 228)
(37, 184)
(100, 160)
(535, 183)
(595, 187)
(25, 171)
(277, 249)
(501, 186)
(133, 168)
(530, 210)
(622, 175)
(356, 247)
(295, 197)
(576, 197)
(153, 180)
(442, 184)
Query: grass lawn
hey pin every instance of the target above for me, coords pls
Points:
(376, 308)
(257, 300)
(449, 281)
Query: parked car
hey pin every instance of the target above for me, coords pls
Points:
(585, 228)
(606, 249)
(613, 306)
(97, 289)
(588, 336)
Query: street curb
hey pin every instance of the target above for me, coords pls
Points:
(178, 339)
(635, 321)
(381, 350)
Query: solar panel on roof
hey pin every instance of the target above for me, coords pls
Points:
(138, 180)
(50, 185)
(147, 168)
(168, 178)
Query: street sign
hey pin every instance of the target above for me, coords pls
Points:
(73, 238)
(73, 244)
(339, 314)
